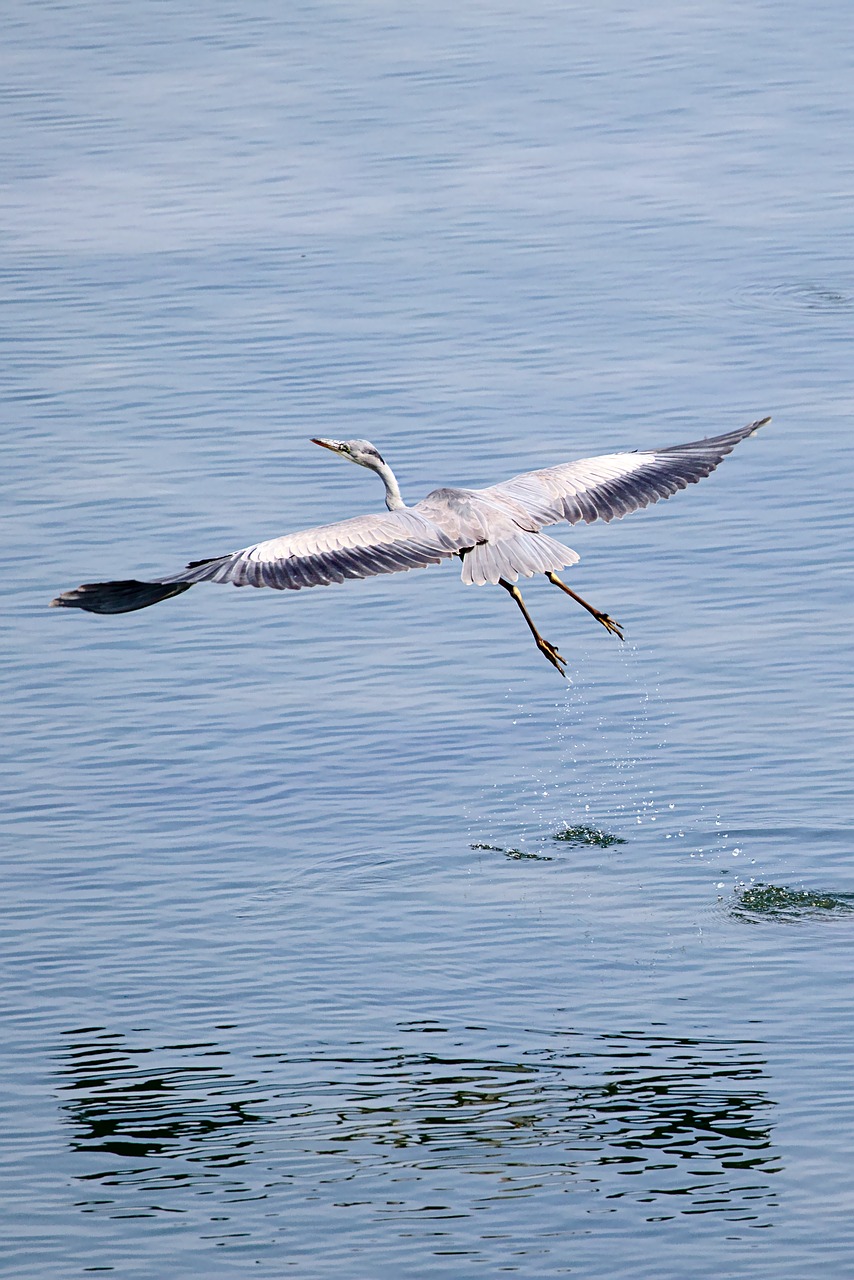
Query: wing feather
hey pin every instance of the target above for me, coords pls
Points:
(362, 547)
(613, 485)
(495, 529)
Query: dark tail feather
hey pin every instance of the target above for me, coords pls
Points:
(118, 597)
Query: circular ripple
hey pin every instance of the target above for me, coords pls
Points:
(793, 296)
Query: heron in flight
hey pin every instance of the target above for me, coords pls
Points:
(496, 531)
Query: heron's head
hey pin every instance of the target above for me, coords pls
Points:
(358, 451)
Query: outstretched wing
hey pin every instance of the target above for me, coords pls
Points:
(358, 548)
(615, 484)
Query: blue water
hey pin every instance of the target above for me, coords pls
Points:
(296, 977)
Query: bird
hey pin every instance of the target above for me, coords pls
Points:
(496, 532)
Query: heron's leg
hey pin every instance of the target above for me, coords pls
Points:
(607, 622)
(548, 650)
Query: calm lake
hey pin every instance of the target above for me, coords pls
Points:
(341, 937)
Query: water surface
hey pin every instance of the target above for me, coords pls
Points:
(302, 973)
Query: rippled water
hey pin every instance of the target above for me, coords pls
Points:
(340, 936)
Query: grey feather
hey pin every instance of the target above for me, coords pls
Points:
(495, 531)
(615, 484)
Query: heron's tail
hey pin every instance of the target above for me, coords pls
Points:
(118, 597)
(525, 553)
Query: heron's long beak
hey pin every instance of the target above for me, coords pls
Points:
(326, 444)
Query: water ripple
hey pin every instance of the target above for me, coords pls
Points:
(805, 296)
(669, 1124)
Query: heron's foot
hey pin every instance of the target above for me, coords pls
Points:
(550, 652)
(609, 624)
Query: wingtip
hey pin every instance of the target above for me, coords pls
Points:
(760, 422)
(68, 599)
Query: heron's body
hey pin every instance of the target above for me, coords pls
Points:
(497, 531)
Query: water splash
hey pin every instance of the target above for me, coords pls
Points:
(593, 771)
(757, 902)
(583, 835)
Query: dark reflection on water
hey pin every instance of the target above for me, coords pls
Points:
(150, 1105)
(670, 1125)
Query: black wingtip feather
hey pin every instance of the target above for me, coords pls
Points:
(118, 597)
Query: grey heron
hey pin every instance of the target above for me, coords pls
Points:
(496, 531)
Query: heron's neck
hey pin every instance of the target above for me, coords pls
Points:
(393, 500)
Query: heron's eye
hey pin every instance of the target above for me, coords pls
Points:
(345, 448)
